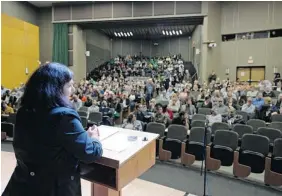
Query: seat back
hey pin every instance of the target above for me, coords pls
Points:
(219, 126)
(95, 116)
(82, 113)
(177, 132)
(276, 125)
(199, 117)
(83, 109)
(242, 129)
(271, 133)
(8, 128)
(256, 123)
(255, 143)
(197, 134)
(198, 123)
(84, 121)
(157, 128)
(276, 118)
(12, 118)
(244, 114)
(204, 111)
(277, 148)
(226, 138)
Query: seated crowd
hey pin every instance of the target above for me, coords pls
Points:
(160, 90)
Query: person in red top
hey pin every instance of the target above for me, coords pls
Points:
(168, 112)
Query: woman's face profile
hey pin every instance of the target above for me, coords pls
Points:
(68, 88)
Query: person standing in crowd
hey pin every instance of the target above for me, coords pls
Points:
(49, 139)
(212, 77)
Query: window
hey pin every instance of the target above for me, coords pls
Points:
(230, 37)
(276, 33)
(244, 36)
(260, 35)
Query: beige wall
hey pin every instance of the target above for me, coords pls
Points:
(44, 21)
(244, 16)
(211, 31)
(194, 44)
(239, 17)
(79, 49)
(265, 52)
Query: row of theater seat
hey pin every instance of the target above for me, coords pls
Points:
(247, 152)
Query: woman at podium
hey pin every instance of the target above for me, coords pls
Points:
(49, 140)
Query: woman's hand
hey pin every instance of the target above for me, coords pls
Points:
(93, 132)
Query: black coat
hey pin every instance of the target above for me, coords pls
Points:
(48, 148)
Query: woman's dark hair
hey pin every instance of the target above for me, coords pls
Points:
(44, 89)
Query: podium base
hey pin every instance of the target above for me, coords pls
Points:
(99, 190)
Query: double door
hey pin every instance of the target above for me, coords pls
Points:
(251, 74)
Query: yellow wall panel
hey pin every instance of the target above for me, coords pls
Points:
(20, 50)
(32, 65)
(13, 70)
(12, 22)
(31, 45)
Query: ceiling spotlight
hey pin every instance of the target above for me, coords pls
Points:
(128, 34)
(189, 37)
(180, 32)
(163, 32)
(170, 33)
(131, 33)
(173, 32)
(115, 33)
(125, 34)
(121, 33)
(177, 33)
(166, 32)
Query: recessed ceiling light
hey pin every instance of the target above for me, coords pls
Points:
(170, 33)
(166, 32)
(128, 34)
(115, 34)
(173, 32)
(180, 32)
(131, 33)
(163, 32)
(177, 33)
(121, 33)
(189, 37)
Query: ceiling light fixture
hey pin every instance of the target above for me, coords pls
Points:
(166, 32)
(173, 32)
(115, 33)
(131, 33)
(128, 34)
(121, 33)
(180, 32)
(170, 33)
(125, 34)
(163, 32)
(177, 33)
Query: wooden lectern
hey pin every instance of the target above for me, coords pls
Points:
(123, 160)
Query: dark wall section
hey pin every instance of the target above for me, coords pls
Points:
(99, 46)
(21, 10)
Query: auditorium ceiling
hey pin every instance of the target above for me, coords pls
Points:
(147, 29)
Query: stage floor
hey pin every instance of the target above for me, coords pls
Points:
(137, 187)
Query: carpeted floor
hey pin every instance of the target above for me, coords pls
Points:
(189, 180)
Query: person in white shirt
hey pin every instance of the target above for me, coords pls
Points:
(76, 103)
(214, 117)
(252, 93)
(249, 108)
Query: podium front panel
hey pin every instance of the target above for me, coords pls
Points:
(118, 167)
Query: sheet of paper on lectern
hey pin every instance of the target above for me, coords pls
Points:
(117, 142)
(105, 133)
